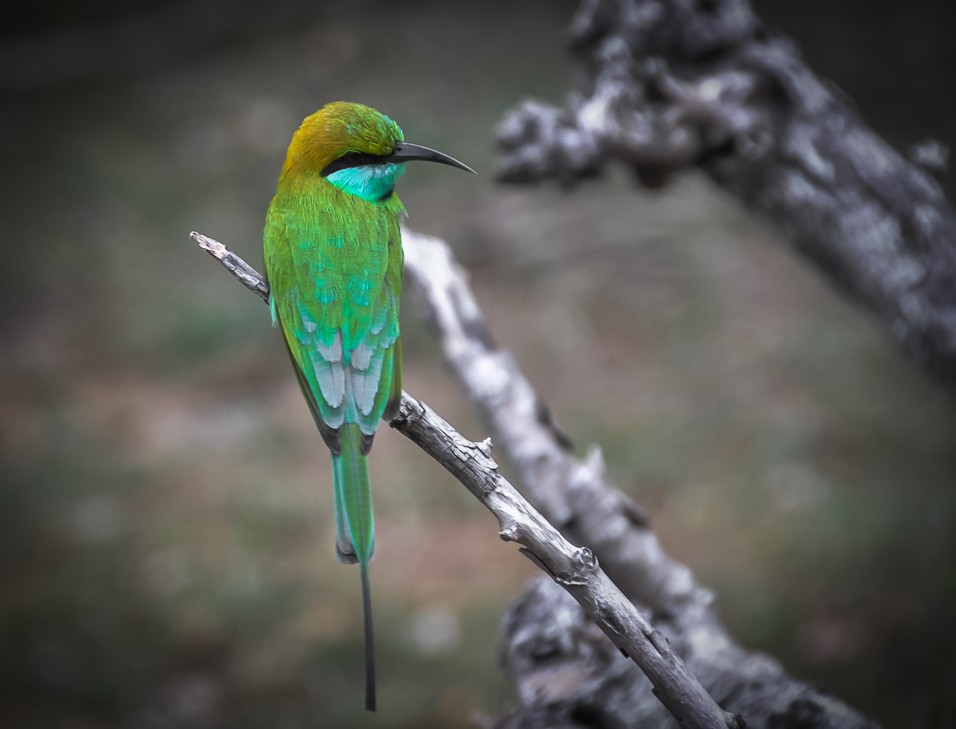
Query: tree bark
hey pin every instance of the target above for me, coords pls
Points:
(667, 85)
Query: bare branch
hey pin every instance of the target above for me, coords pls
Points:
(575, 494)
(573, 568)
(667, 85)
(247, 275)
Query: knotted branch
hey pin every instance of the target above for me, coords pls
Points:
(668, 85)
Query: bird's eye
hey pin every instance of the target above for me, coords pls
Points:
(351, 158)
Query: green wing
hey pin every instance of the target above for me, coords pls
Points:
(336, 285)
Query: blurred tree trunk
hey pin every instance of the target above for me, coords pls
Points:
(666, 85)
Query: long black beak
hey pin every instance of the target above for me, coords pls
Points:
(406, 151)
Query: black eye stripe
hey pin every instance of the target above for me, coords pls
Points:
(352, 159)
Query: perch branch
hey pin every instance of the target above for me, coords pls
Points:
(573, 568)
(669, 85)
(247, 275)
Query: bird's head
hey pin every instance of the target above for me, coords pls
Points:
(355, 148)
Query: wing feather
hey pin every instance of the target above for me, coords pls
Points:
(337, 306)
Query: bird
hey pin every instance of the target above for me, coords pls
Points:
(333, 258)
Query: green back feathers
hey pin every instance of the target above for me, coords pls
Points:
(336, 282)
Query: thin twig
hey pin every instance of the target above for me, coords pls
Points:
(574, 568)
(247, 275)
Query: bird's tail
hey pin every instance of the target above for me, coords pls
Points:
(355, 531)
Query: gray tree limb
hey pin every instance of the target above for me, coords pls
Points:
(573, 568)
(666, 85)
(567, 674)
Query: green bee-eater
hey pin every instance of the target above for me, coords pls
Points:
(333, 256)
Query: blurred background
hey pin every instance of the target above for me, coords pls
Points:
(165, 510)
